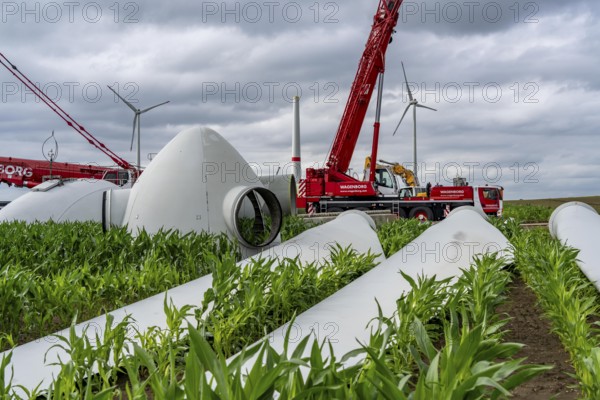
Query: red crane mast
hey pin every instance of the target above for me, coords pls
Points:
(332, 180)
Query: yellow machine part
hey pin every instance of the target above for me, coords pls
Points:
(367, 162)
(407, 175)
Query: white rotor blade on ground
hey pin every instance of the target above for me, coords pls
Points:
(577, 224)
(349, 313)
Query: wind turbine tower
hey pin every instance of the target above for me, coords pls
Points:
(136, 120)
(414, 103)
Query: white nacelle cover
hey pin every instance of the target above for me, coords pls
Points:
(69, 201)
(185, 185)
(11, 193)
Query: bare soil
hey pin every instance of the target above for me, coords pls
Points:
(529, 327)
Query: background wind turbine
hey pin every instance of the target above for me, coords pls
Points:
(413, 102)
(136, 119)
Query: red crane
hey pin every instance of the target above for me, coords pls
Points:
(331, 189)
(30, 173)
(93, 172)
(332, 180)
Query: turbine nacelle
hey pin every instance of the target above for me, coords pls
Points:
(199, 183)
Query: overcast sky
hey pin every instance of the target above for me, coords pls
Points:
(515, 83)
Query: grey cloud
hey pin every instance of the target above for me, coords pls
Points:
(171, 53)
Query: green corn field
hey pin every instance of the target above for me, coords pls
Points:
(446, 340)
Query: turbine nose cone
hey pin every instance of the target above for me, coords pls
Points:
(186, 185)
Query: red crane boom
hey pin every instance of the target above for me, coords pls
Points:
(332, 180)
(371, 65)
(63, 114)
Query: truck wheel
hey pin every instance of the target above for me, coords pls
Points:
(421, 213)
(402, 213)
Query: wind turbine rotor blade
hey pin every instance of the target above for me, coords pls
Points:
(135, 119)
(123, 100)
(403, 115)
(150, 108)
(410, 96)
(429, 108)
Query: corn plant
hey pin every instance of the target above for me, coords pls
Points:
(245, 303)
(474, 297)
(470, 365)
(181, 362)
(396, 234)
(5, 386)
(527, 213)
(480, 290)
(423, 302)
(293, 226)
(473, 362)
(50, 272)
(444, 341)
(567, 297)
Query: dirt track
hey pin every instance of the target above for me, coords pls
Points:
(529, 327)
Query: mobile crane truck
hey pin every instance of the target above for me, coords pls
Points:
(331, 189)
